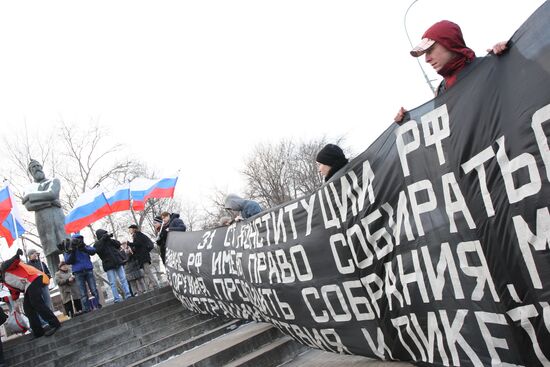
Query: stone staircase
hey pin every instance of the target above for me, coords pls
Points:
(155, 329)
(252, 344)
(140, 331)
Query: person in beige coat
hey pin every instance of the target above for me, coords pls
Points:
(70, 293)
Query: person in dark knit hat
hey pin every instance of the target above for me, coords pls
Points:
(108, 250)
(329, 160)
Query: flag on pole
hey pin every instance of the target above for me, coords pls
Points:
(92, 205)
(10, 226)
(142, 189)
(119, 198)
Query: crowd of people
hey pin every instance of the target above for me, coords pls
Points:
(127, 264)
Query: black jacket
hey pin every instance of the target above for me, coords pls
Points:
(177, 225)
(163, 235)
(139, 247)
(108, 251)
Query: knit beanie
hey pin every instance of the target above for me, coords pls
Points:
(331, 155)
(99, 233)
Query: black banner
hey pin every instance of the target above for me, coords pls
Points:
(432, 246)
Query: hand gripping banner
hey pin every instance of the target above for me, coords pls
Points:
(432, 246)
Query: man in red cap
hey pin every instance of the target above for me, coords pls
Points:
(445, 50)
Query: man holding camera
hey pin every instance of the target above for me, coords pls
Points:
(77, 254)
(112, 260)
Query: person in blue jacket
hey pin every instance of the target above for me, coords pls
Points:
(78, 255)
(246, 208)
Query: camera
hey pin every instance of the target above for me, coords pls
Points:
(65, 245)
(77, 243)
(71, 244)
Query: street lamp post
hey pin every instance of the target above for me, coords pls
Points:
(417, 60)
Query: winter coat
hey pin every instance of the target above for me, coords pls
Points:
(18, 276)
(40, 265)
(108, 251)
(163, 235)
(133, 268)
(67, 288)
(177, 225)
(248, 208)
(80, 258)
(139, 248)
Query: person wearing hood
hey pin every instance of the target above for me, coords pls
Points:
(176, 223)
(329, 160)
(246, 208)
(112, 261)
(445, 50)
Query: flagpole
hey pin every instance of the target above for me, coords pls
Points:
(24, 249)
(17, 232)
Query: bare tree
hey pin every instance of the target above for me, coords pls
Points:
(17, 150)
(80, 157)
(268, 172)
(279, 172)
(215, 210)
(88, 159)
(190, 214)
(305, 176)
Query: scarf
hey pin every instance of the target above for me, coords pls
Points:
(449, 35)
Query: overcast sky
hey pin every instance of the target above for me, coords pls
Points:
(194, 85)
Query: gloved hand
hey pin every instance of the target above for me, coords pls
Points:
(19, 252)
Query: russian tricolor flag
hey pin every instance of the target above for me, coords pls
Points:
(91, 206)
(119, 198)
(10, 225)
(5, 203)
(142, 189)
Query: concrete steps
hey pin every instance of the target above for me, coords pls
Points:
(124, 354)
(252, 344)
(319, 358)
(155, 330)
(272, 354)
(79, 333)
(119, 334)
